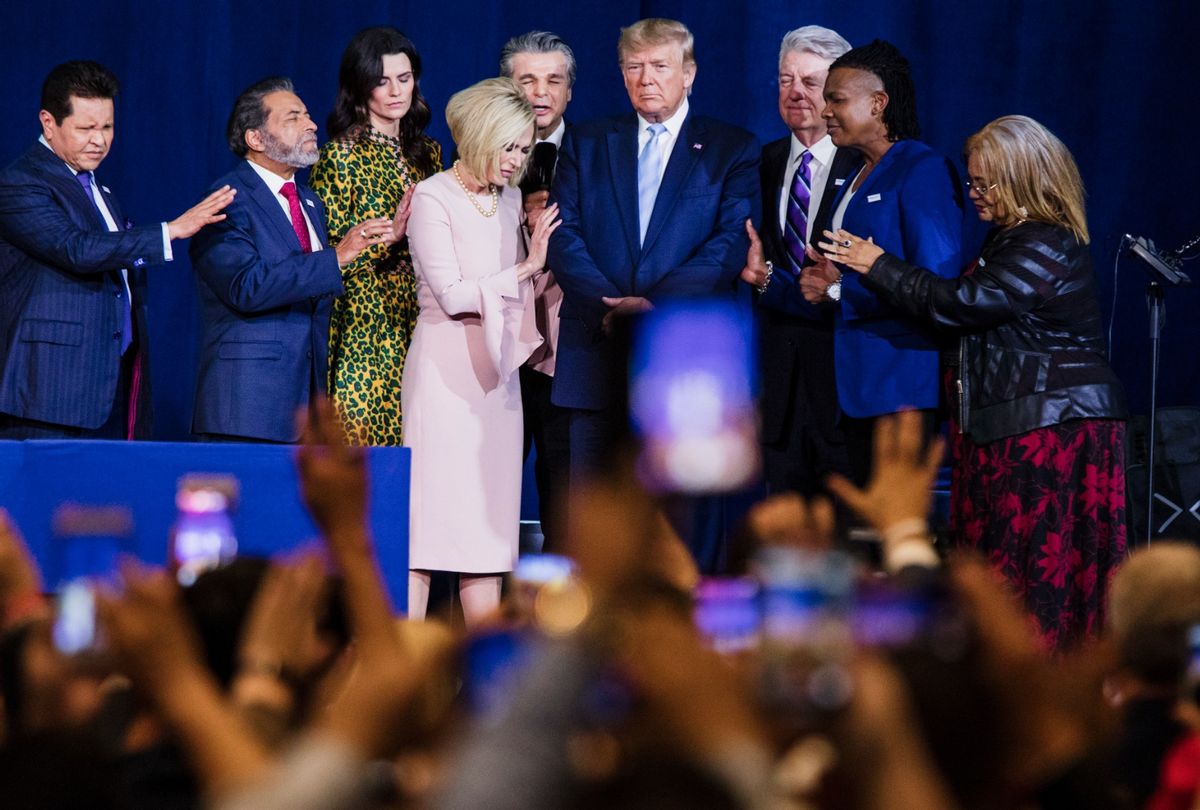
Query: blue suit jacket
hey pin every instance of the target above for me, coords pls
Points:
(62, 300)
(910, 205)
(695, 243)
(265, 312)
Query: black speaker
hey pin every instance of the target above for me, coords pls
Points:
(1176, 504)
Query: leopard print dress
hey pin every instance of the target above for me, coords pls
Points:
(373, 320)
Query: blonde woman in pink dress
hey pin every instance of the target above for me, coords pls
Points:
(461, 396)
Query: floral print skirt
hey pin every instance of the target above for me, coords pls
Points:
(1047, 508)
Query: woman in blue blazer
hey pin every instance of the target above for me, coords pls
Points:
(905, 198)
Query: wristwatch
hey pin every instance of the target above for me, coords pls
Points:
(834, 291)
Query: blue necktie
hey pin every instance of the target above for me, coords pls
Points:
(796, 217)
(85, 180)
(649, 177)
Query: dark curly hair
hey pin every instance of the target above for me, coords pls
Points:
(358, 76)
(884, 60)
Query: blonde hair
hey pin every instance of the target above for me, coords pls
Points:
(654, 31)
(484, 119)
(1036, 178)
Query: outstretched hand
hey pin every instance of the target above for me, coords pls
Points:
(546, 223)
(853, 252)
(400, 218)
(205, 212)
(333, 473)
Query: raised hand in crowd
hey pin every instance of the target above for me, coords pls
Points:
(281, 649)
(899, 496)
(368, 714)
(156, 646)
(20, 580)
(205, 212)
(786, 519)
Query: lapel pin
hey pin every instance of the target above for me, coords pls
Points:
(697, 146)
(310, 203)
(105, 189)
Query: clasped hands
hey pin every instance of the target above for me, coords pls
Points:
(846, 250)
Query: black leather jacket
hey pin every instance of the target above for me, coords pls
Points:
(1032, 347)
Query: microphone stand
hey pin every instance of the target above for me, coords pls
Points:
(1163, 269)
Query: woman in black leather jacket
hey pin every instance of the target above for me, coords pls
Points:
(1039, 474)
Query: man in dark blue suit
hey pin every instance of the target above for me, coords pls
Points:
(653, 207)
(72, 271)
(544, 66)
(267, 277)
(801, 175)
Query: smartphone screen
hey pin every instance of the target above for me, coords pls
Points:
(728, 613)
(692, 387)
(74, 629)
(203, 537)
(88, 540)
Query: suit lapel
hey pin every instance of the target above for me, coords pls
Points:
(845, 164)
(775, 171)
(622, 164)
(265, 200)
(61, 175)
(684, 155)
(862, 196)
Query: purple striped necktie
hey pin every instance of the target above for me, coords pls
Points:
(796, 217)
(85, 180)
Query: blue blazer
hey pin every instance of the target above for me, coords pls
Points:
(695, 243)
(910, 205)
(265, 314)
(62, 300)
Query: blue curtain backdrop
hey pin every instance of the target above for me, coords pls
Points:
(1115, 80)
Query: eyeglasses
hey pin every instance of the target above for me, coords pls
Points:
(980, 190)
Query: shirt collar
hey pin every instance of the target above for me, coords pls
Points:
(673, 124)
(556, 137)
(822, 151)
(273, 181)
(42, 140)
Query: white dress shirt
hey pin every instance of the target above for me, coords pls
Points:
(275, 183)
(666, 141)
(556, 137)
(818, 172)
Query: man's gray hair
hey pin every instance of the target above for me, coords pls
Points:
(536, 42)
(824, 42)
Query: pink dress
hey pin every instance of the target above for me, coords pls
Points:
(461, 395)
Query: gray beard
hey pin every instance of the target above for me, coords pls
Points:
(296, 157)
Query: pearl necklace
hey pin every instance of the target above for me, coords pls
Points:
(471, 195)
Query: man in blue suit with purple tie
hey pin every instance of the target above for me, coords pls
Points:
(268, 275)
(72, 270)
(653, 207)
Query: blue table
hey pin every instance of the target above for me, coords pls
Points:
(37, 476)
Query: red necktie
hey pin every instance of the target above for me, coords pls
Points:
(299, 225)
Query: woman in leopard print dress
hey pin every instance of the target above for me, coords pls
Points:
(377, 152)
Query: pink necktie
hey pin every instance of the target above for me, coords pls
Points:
(298, 223)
